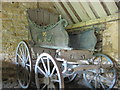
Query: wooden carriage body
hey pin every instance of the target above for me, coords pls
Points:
(54, 36)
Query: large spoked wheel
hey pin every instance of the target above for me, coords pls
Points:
(47, 73)
(104, 78)
(24, 65)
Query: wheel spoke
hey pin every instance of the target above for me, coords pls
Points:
(107, 79)
(43, 87)
(20, 50)
(96, 82)
(52, 71)
(20, 57)
(55, 80)
(41, 71)
(69, 77)
(102, 84)
(27, 59)
(48, 64)
(90, 81)
(28, 65)
(25, 52)
(99, 60)
(44, 65)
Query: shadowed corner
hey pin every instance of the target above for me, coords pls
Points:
(0, 74)
(9, 76)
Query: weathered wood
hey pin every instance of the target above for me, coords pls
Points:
(42, 17)
(87, 9)
(75, 55)
(80, 11)
(89, 67)
(70, 11)
(98, 8)
(62, 12)
(112, 7)
(94, 21)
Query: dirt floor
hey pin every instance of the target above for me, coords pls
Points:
(9, 78)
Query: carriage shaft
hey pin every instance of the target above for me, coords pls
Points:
(88, 67)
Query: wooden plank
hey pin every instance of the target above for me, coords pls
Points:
(70, 11)
(62, 12)
(33, 15)
(66, 12)
(105, 8)
(88, 10)
(53, 18)
(90, 67)
(40, 17)
(81, 13)
(98, 8)
(73, 10)
(94, 21)
(46, 17)
(111, 7)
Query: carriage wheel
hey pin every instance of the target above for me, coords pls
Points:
(47, 73)
(24, 65)
(101, 78)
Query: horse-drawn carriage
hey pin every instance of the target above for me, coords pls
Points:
(56, 56)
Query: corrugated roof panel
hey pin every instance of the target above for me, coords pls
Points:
(66, 12)
(98, 8)
(77, 16)
(111, 6)
(80, 11)
(88, 10)
(61, 10)
(71, 12)
(105, 8)
(85, 10)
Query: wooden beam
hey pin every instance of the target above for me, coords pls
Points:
(61, 11)
(112, 7)
(87, 9)
(94, 22)
(98, 8)
(70, 11)
(79, 10)
(66, 11)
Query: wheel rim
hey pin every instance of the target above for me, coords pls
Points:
(47, 73)
(70, 78)
(101, 78)
(24, 65)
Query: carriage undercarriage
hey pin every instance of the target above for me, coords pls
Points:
(98, 71)
(53, 62)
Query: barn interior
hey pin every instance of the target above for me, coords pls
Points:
(101, 16)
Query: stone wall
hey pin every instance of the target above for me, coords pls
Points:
(110, 40)
(14, 22)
